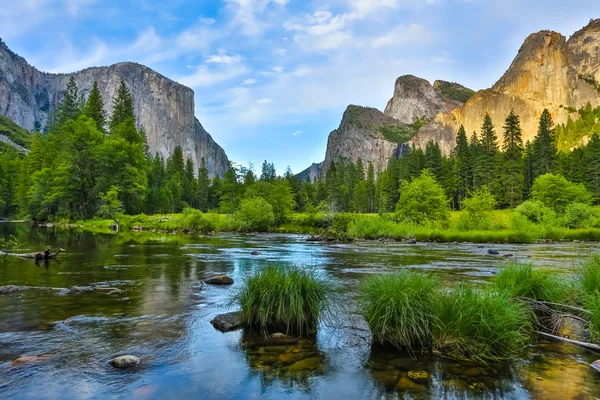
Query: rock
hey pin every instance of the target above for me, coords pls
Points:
(305, 365)
(80, 289)
(405, 384)
(419, 376)
(411, 241)
(124, 361)
(289, 358)
(8, 289)
(387, 378)
(480, 247)
(30, 359)
(472, 372)
(220, 280)
(278, 336)
(115, 292)
(596, 365)
(163, 107)
(508, 255)
(227, 322)
(255, 253)
(493, 252)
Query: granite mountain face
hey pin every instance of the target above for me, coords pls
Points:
(549, 71)
(163, 108)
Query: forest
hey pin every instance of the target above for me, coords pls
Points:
(86, 166)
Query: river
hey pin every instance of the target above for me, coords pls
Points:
(163, 317)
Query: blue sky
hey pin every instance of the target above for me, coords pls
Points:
(273, 77)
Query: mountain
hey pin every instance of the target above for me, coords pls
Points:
(549, 71)
(163, 108)
(375, 136)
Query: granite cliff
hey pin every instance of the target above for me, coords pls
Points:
(164, 108)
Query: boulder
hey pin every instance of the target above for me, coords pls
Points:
(80, 289)
(227, 322)
(8, 289)
(493, 252)
(419, 376)
(220, 280)
(405, 384)
(411, 241)
(255, 253)
(126, 361)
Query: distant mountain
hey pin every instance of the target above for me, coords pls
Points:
(164, 108)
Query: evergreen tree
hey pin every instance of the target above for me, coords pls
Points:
(70, 106)
(268, 173)
(203, 186)
(528, 169)
(544, 146)
(433, 159)
(189, 184)
(122, 107)
(462, 165)
(94, 108)
(371, 187)
(487, 160)
(591, 161)
(512, 168)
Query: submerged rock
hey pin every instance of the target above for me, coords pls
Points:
(80, 289)
(227, 322)
(405, 384)
(387, 378)
(126, 361)
(220, 280)
(8, 289)
(115, 292)
(255, 253)
(305, 365)
(493, 252)
(419, 376)
(411, 241)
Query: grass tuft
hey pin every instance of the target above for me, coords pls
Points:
(588, 276)
(283, 299)
(522, 280)
(399, 308)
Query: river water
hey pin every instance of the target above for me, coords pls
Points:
(163, 317)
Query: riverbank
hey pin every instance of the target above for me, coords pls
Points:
(505, 226)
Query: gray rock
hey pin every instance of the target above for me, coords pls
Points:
(227, 322)
(125, 361)
(164, 108)
(220, 280)
(493, 252)
(80, 289)
(255, 253)
(411, 241)
(8, 289)
(115, 292)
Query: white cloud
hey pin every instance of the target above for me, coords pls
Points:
(302, 71)
(250, 82)
(280, 52)
(223, 58)
(297, 133)
(206, 77)
(402, 35)
(264, 101)
(278, 70)
(248, 13)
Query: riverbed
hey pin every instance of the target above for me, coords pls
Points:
(163, 316)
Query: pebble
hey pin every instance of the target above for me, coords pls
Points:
(126, 361)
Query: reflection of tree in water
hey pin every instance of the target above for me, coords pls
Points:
(428, 376)
(291, 362)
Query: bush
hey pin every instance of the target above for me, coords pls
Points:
(287, 300)
(423, 200)
(480, 326)
(399, 309)
(578, 215)
(195, 220)
(536, 212)
(255, 214)
(556, 192)
(522, 280)
(477, 211)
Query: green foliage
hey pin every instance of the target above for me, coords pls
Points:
(536, 212)
(195, 220)
(570, 134)
(454, 91)
(400, 309)
(277, 299)
(522, 280)
(588, 276)
(14, 132)
(110, 205)
(94, 108)
(422, 200)
(480, 325)
(477, 210)
(401, 133)
(122, 107)
(555, 192)
(255, 214)
(578, 215)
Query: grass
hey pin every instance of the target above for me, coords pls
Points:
(281, 299)
(519, 280)
(588, 276)
(480, 325)
(399, 308)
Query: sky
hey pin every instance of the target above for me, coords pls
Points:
(272, 78)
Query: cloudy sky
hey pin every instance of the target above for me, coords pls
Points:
(273, 77)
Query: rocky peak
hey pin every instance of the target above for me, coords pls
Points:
(163, 108)
(415, 98)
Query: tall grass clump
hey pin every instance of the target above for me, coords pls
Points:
(399, 308)
(519, 280)
(588, 276)
(480, 325)
(290, 300)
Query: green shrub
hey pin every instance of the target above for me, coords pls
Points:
(286, 300)
(255, 214)
(195, 220)
(536, 212)
(578, 215)
(477, 211)
(399, 308)
(556, 192)
(522, 280)
(422, 200)
(478, 325)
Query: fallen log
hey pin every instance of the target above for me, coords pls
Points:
(586, 345)
(35, 256)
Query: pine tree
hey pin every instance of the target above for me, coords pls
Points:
(528, 169)
(268, 173)
(461, 166)
(591, 161)
(70, 106)
(122, 107)
(203, 186)
(94, 108)
(371, 187)
(360, 169)
(512, 168)
(433, 159)
(487, 160)
(544, 146)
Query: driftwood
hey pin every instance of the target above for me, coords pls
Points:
(589, 346)
(35, 256)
